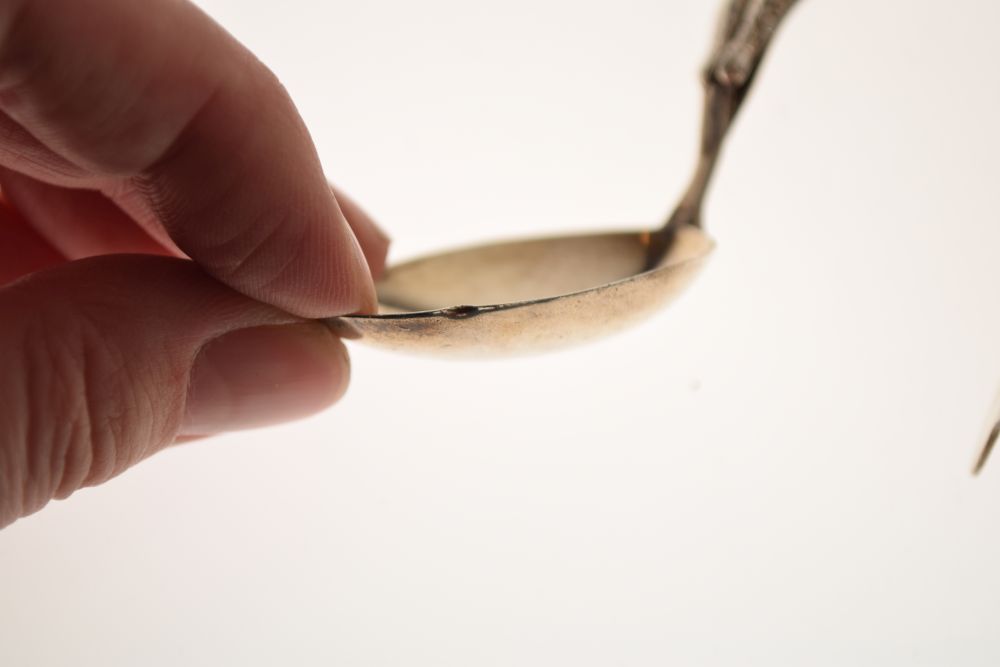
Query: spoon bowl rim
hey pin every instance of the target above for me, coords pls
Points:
(459, 311)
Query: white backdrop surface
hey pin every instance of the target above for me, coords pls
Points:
(775, 471)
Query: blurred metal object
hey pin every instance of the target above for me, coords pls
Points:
(991, 437)
(553, 292)
(984, 455)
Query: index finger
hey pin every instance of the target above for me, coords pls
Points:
(155, 104)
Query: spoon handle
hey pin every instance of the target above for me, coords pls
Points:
(745, 32)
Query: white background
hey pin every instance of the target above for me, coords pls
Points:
(773, 471)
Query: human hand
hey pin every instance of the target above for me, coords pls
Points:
(133, 136)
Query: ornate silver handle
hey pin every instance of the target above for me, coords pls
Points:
(745, 32)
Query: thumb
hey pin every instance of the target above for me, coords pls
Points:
(107, 360)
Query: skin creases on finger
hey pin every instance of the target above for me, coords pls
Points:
(105, 361)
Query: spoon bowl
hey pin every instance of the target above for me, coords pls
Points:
(542, 293)
(553, 292)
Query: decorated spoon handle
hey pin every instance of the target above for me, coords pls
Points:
(745, 32)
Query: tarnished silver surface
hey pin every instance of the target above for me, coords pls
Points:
(553, 292)
(544, 291)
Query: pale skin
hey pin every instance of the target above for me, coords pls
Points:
(167, 237)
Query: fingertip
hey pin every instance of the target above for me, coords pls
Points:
(263, 376)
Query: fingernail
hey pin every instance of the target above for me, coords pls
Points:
(368, 302)
(381, 234)
(379, 251)
(372, 239)
(263, 376)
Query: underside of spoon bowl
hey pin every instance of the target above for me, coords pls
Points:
(525, 296)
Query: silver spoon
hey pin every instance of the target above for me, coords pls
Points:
(556, 291)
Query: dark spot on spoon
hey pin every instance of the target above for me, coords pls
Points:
(462, 312)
